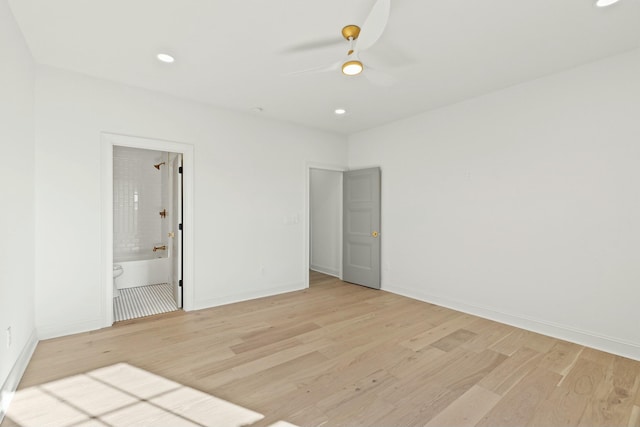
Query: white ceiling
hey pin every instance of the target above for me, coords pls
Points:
(236, 54)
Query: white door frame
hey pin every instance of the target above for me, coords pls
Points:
(108, 141)
(175, 242)
(307, 214)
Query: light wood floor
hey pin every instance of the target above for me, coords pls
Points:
(340, 354)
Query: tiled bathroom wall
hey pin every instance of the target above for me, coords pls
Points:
(137, 202)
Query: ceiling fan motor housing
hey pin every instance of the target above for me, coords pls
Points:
(351, 32)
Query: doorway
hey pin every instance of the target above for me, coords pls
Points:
(174, 214)
(147, 212)
(325, 221)
(343, 224)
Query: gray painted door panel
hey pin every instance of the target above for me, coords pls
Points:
(361, 225)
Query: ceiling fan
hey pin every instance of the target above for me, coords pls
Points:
(359, 39)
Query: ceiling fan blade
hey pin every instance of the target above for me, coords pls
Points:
(377, 77)
(374, 25)
(386, 53)
(313, 45)
(333, 67)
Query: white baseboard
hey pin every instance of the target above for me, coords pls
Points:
(15, 375)
(215, 302)
(563, 332)
(325, 270)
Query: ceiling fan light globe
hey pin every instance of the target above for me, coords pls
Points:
(352, 68)
(165, 57)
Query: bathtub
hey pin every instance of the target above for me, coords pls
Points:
(139, 271)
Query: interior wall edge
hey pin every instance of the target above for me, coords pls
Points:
(10, 386)
(554, 330)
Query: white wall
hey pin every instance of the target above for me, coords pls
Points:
(325, 212)
(249, 183)
(17, 194)
(521, 205)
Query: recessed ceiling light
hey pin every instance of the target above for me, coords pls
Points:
(165, 57)
(352, 68)
(340, 111)
(605, 3)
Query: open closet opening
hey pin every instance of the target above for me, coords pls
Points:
(325, 221)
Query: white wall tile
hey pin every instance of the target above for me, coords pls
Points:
(138, 199)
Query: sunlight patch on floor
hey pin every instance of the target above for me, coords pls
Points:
(123, 395)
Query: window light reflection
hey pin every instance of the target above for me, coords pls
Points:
(123, 395)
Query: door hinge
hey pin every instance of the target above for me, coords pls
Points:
(180, 282)
(180, 169)
(180, 227)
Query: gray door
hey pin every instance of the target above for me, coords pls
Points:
(361, 225)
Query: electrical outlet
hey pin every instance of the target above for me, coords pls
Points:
(9, 337)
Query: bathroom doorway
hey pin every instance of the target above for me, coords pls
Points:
(147, 238)
(147, 231)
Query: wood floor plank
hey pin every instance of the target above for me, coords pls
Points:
(613, 400)
(364, 410)
(340, 354)
(308, 416)
(425, 402)
(432, 335)
(271, 335)
(454, 340)
(445, 383)
(519, 338)
(509, 373)
(275, 359)
(520, 404)
(566, 404)
(487, 333)
(415, 362)
(634, 419)
(466, 410)
(561, 357)
(469, 370)
(605, 359)
(410, 385)
(270, 383)
(353, 390)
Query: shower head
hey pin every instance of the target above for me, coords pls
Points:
(158, 165)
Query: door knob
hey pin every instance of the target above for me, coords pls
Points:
(374, 234)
